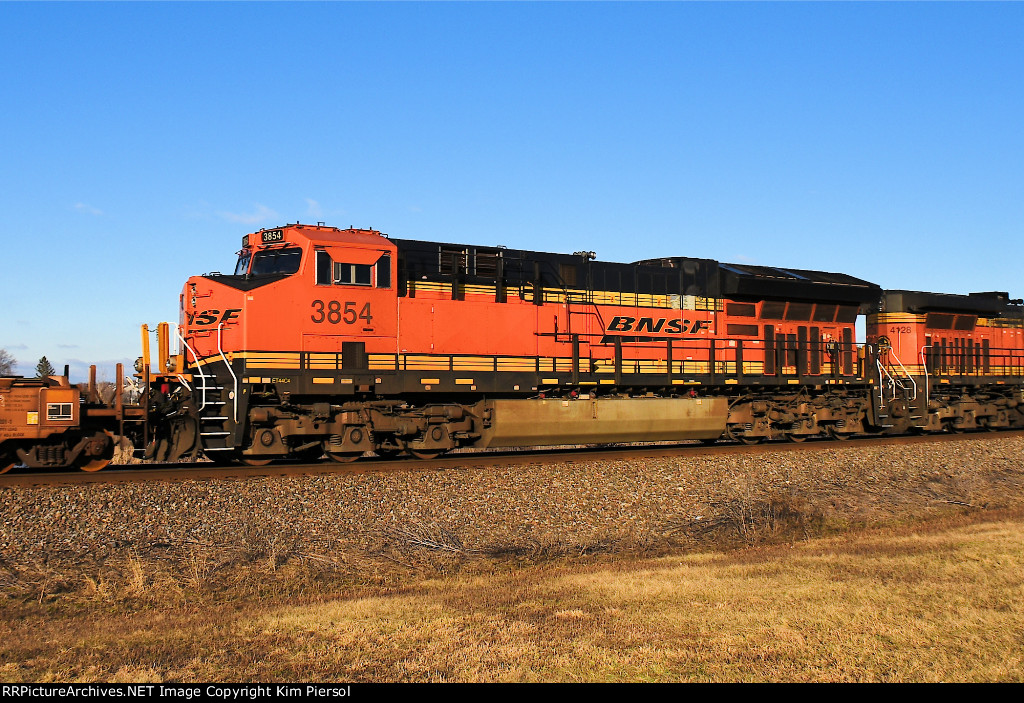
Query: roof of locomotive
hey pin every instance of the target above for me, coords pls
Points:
(746, 280)
(692, 276)
(322, 233)
(985, 304)
(673, 275)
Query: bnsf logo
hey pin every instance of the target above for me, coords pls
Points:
(649, 324)
(212, 317)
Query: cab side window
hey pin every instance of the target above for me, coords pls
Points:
(351, 274)
(342, 273)
(384, 271)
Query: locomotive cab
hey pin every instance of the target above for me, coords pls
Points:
(296, 290)
(295, 323)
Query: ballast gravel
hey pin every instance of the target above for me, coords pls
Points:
(362, 523)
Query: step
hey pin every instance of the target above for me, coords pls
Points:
(214, 434)
(218, 418)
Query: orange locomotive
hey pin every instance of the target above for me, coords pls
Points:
(947, 362)
(346, 341)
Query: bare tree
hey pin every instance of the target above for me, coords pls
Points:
(7, 363)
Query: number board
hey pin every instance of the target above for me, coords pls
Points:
(273, 235)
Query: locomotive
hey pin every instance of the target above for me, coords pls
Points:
(340, 342)
(947, 362)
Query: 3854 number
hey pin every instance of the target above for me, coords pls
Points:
(333, 313)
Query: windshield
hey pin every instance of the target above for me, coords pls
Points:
(242, 267)
(276, 261)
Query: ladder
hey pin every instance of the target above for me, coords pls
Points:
(894, 378)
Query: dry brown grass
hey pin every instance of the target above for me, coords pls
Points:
(940, 601)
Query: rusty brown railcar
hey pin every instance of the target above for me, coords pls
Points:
(51, 423)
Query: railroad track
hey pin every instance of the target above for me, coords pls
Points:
(201, 471)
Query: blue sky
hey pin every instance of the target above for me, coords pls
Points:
(139, 142)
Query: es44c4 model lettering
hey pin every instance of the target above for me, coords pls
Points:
(333, 313)
(652, 325)
(213, 317)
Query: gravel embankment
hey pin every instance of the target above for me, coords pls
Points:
(352, 522)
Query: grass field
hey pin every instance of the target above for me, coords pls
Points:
(938, 601)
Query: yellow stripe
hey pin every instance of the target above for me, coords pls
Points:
(516, 364)
(578, 296)
(273, 364)
(886, 318)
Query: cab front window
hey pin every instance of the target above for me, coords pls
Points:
(242, 267)
(279, 261)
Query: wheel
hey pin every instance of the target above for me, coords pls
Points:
(836, 434)
(102, 446)
(92, 464)
(425, 453)
(252, 461)
(742, 438)
(796, 437)
(343, 457)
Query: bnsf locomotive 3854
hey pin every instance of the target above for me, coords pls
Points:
(342, 342)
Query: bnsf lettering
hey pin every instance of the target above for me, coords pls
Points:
(213, 317)
(621, 324)
(649, 324)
